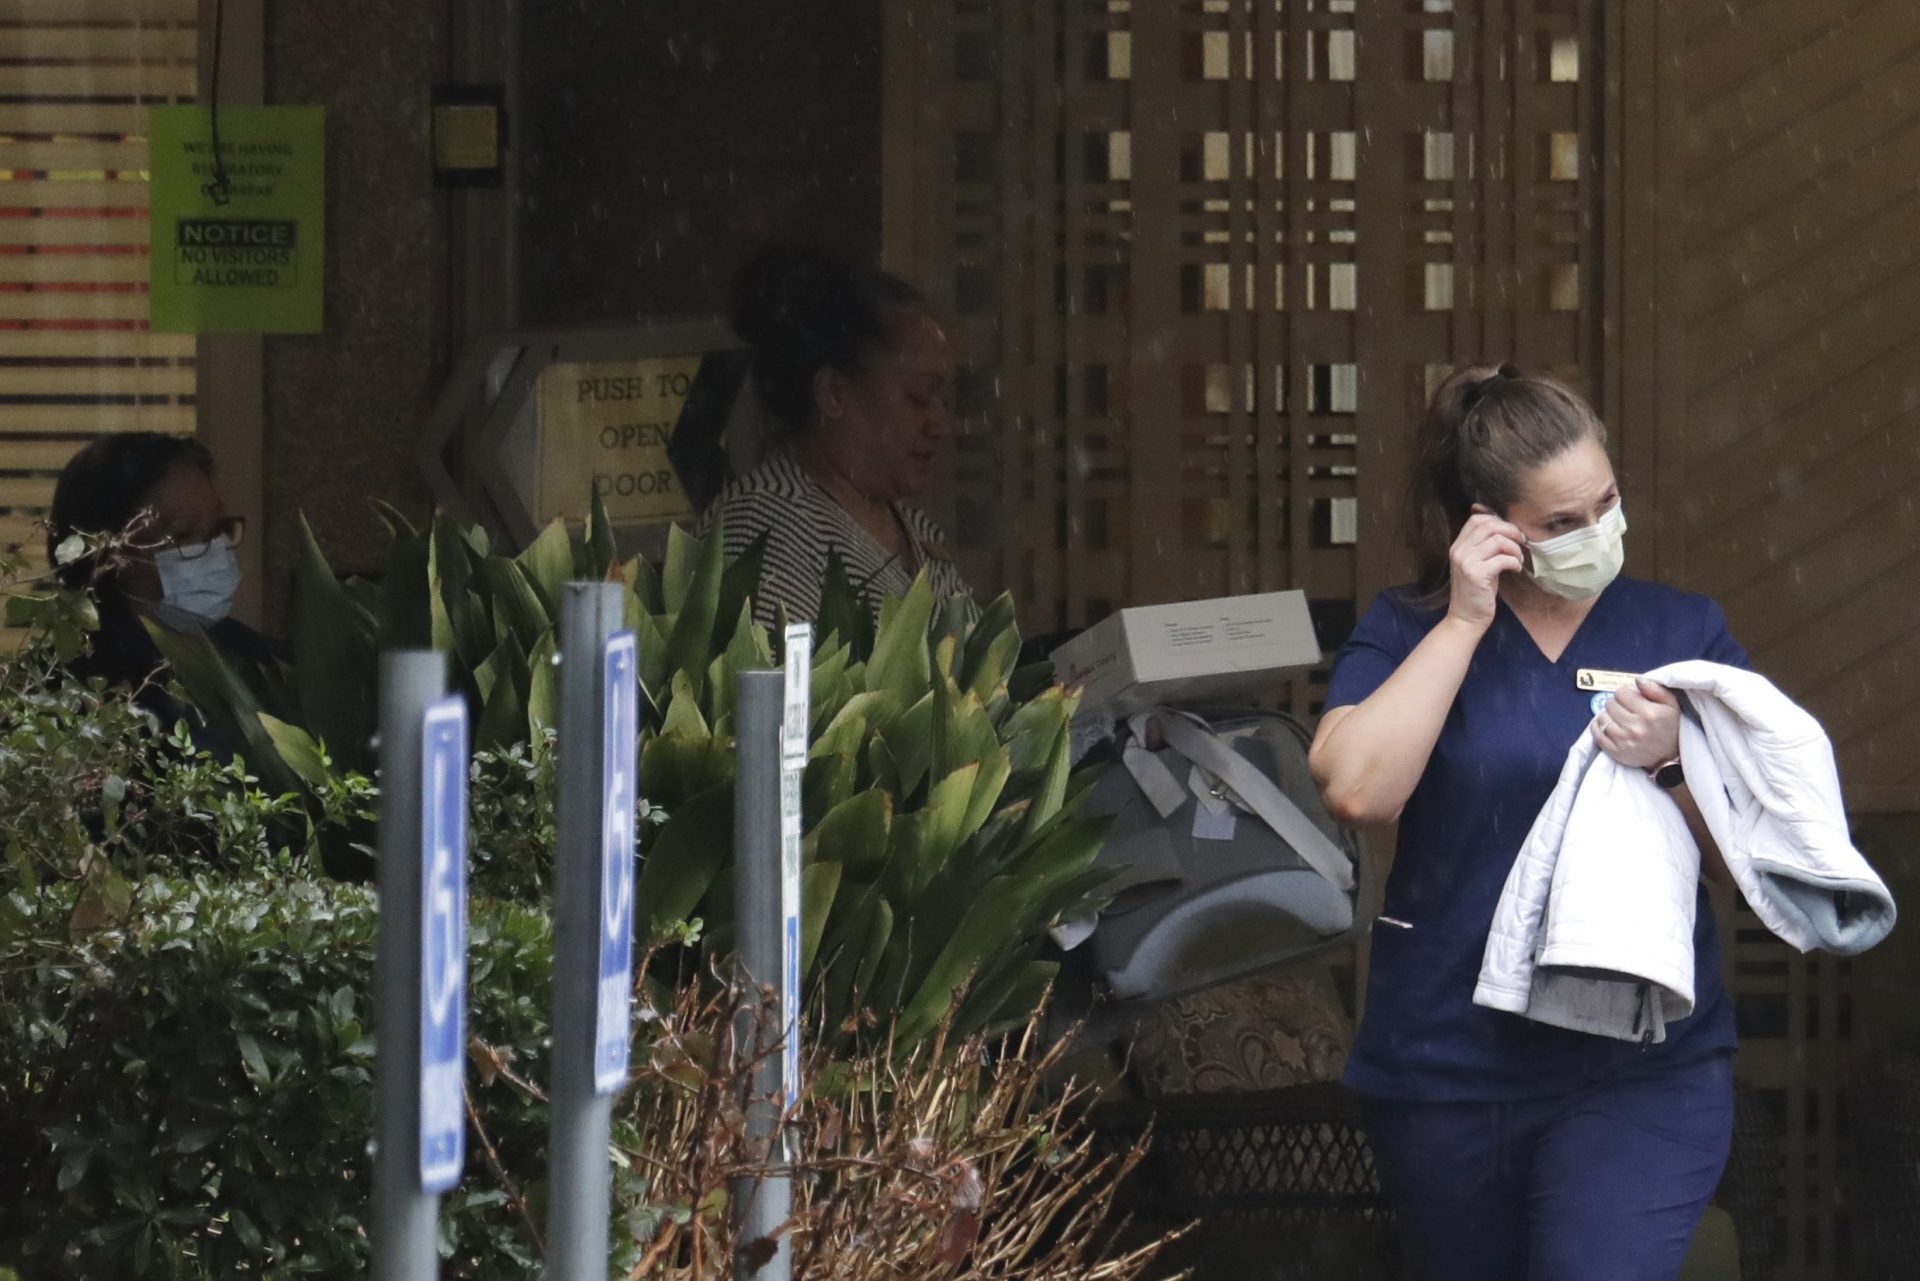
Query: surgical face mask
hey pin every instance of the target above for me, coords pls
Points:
(197, 584)
(1580, 564)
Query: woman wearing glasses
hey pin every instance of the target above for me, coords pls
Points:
(175, 565)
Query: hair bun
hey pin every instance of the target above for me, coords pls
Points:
(783, 292)
(803, 310)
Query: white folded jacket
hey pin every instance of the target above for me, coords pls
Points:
(1594, 929)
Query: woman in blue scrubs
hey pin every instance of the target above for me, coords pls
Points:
(1511, 1149)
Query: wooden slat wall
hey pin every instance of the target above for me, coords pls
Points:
(1205, 260)
(1778, 267)
(76, 79)
(1796, 455)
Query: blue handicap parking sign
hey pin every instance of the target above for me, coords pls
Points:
(621, 727)
(443, 943)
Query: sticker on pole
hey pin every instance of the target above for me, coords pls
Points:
(796, 712)
(443, 943)
(620, 722)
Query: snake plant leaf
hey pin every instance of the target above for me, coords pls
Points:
(1051, 796)
(399, 528)
(473, 628)
(684, 758)
(462, 624)
(338, 673)
(854, 835)
(944, 657)
(899, 875)
(954, 622)
(1058, 859)
(1005, 1004)
(503, 715)
(299, 750)
(982, 931)
(995, 623)
(748, 651)
(1034, 730)
(603, 551)
(819, 884)
(740, 580)
(543, 688)
(548, 565)
(644, 582)
(847, 736)
(869, 708)
(477, 539)
(828, 684)
(844, 615)
(683, 712)
(690, 644)
(225, 700)
(677, 571)
(901, 664)
(909, 738)
(882, 766)
(366, 594)
(924, 841)
(1079, 897)
(405, 610)
(1031, 682)
(874, 951)
(687, 853)
(718, 706)
(650, 655)
(989, 784)
(517, 610)
(828, 783)
(947, 809)
(943, 746)
(989, 676)
(855, 945)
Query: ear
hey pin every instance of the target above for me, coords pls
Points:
(829, 392)
(1481, 509)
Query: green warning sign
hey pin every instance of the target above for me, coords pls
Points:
(237, 246)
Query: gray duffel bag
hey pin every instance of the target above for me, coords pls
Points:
(1229, 864)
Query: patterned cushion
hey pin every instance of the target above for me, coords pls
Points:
(1260, 1034)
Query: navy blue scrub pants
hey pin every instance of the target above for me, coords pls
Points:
(1605, 1184)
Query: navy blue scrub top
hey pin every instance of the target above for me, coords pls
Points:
(1497, 760)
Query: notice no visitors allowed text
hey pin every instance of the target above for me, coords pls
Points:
(256, 253)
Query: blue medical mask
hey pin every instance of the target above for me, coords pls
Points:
(197, 584)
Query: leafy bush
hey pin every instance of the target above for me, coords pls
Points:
(185, 997)
(943, 837)
(189, 1093)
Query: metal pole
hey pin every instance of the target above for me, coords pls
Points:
(405, 1219)
(761, 1206)
(582, 1120)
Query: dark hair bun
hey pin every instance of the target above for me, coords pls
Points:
(783, 291)
(803, 310)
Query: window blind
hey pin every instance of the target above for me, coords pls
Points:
(76, 358)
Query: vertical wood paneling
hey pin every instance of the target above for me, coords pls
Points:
(1247, 293)
(1769, 152)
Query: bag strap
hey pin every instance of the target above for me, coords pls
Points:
(1194, 739)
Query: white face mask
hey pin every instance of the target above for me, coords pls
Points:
(197, 584)
(1580, 564)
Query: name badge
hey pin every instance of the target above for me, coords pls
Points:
(1595, 680)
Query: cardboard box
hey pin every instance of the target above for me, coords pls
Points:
(1226, 649)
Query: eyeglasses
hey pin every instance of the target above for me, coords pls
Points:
(231, 530)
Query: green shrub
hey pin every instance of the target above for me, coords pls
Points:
(943, 835)
(189, 1092)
